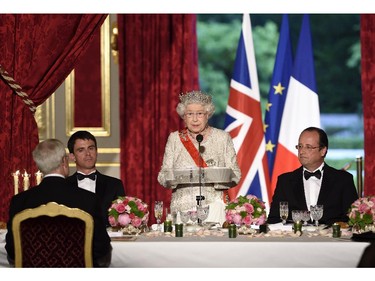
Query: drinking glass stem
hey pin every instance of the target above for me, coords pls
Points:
(158, 222)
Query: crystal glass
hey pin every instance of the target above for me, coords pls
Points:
(316, 213)
(193, 216)
(158, 212)
(296, 215)
(305, 216)
(284, 211)
(185, 217)
(202, 212)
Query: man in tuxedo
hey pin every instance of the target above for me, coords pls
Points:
(51, 159)
(83, 150)
(315, 182)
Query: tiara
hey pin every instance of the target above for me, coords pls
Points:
(195, 97)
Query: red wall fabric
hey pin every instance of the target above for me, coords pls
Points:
(158, 60)
(368, 99)
(87, 90)
(39, 52)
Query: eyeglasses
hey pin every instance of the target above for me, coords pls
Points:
(197, 114)
(307, 147)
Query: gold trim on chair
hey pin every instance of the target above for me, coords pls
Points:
(52, 209)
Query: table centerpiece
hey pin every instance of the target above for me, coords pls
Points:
(130, 214)
(245, 211)
(361, 214)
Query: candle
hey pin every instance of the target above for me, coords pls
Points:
(38, 176)
(178, 227)
(15, 178)
(167, 226)
(26, 181)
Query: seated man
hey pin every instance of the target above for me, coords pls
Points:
(83, 150)
(52, 161)
(301, 188)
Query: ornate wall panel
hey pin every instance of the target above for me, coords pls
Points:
(88, 100)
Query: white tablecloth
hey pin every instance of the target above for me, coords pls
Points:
(244, 252)
(240, 252)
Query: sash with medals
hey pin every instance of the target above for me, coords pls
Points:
(193, 151)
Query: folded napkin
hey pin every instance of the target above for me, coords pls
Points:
(217, 212)
(280, 226)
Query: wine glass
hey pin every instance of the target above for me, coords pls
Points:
(202, 212)
(296, 215)
(284, 211)
(184, 216)
(316, 213)
(158, 212)
(305, 216)
(193, 216)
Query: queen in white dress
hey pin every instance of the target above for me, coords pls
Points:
(181, 152)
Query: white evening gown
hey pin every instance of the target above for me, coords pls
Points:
(217, 151)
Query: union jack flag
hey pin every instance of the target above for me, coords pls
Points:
(244, 123)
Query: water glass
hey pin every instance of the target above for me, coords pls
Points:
(296, 215)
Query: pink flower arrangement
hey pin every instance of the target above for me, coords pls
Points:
(246, 210)
(362, 212)
(126, 211)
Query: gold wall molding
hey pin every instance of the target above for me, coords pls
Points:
(45, 117)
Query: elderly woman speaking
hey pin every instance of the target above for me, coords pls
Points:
(198, 145)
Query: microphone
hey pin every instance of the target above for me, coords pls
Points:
(199, 138)
(199, 198)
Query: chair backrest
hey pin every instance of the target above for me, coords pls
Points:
(53, 235)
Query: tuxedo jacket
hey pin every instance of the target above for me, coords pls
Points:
(336, 194)
(107, 189)
(57, 189)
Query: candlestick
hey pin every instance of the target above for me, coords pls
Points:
(16, 182)
(26, 181)
(38, 176)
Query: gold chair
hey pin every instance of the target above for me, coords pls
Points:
(53, 235)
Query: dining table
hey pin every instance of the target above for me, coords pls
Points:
(204, 248)
(279, 248)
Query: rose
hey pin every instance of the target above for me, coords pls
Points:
(246, 210)
(362, 212)
(126, 211)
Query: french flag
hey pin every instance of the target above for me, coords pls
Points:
(301, 108)
(244, 122)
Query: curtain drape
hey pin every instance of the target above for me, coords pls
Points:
(158, 60)
(39, 52)
(368, 98)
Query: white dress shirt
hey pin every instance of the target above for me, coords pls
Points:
(312, 187)
(87, 184)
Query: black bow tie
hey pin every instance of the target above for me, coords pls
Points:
(316, 174)
(90, 176)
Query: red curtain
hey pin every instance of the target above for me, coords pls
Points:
(39, 52)
(158, 61)
(368, 98)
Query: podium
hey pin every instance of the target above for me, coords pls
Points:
(220, 175)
